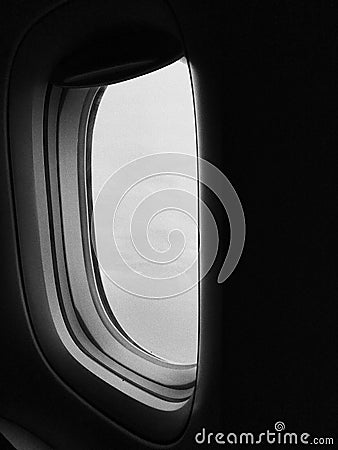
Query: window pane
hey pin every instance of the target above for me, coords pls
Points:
(145, 116)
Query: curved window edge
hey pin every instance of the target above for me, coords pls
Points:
(29, 129)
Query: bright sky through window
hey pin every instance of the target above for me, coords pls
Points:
(148, 115)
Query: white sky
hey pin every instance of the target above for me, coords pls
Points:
(150, 114)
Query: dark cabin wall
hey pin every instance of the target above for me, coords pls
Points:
(267, 72)
(266, 78)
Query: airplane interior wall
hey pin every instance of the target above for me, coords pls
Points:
(265, 84)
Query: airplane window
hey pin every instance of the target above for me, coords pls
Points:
(145, 235)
